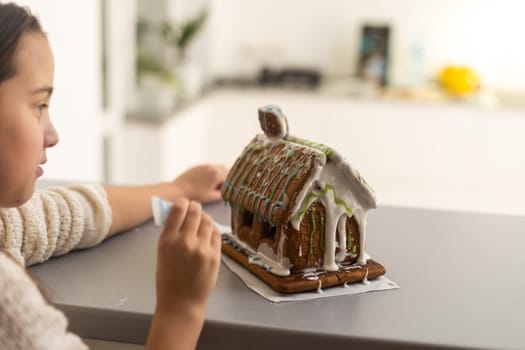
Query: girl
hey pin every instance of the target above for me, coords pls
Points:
(37, 226)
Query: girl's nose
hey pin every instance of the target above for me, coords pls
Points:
(51, 136)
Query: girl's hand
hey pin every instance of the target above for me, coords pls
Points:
(188, 259)
(202, 183)
(187, 268)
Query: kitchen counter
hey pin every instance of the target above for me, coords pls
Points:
(459, 275)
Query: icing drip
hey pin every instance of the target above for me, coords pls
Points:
(312, 232)
(348, 238)
(322, 234)
(351, 267)
(362, 239)
(365, 279)
(341, 229)
(319, 290)
(332, 216)
(263, 257)
(312, 273)
(338, 207)
(280, 248)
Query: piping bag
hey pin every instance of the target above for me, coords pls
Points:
(161, 209)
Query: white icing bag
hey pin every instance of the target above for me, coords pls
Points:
(161, 209)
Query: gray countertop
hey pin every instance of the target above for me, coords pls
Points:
(461, 279)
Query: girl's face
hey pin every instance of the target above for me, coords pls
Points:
(25, 127)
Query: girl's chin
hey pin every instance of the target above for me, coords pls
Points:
(39, 171)
(20, 195)
(23, 198)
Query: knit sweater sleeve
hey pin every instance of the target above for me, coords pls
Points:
(55, 221)
(27, 321)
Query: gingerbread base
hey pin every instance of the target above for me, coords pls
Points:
(298, 282)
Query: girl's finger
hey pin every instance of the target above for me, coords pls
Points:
(205, 229)
(192, 220)
(216, 240)
(178, 212)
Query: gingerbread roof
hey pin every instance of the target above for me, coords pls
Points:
(267, 177)
(273, 172)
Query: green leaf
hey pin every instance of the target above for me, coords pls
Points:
(190, 28)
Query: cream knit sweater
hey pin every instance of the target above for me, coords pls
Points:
(52, 223)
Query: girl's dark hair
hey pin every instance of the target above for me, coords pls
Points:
(14, 21)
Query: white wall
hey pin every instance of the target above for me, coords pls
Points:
(73, 29)
(120, 46)
(325, 34)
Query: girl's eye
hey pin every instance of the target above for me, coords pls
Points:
(42, 107)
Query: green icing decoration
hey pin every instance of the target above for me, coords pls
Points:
(312, 224)
(328, 151)
(248, 161)
(256, 146)
(309, 200)
(285, 172)
(314, 195)
(253, 170)
(289, 180)
(322, 232)
(349, 238)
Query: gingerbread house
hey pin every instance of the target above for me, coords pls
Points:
(297, 208)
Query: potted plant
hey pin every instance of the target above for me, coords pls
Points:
(161, 62)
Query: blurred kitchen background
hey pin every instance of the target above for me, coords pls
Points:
(425, 97)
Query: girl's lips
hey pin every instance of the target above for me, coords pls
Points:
(39, 171)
